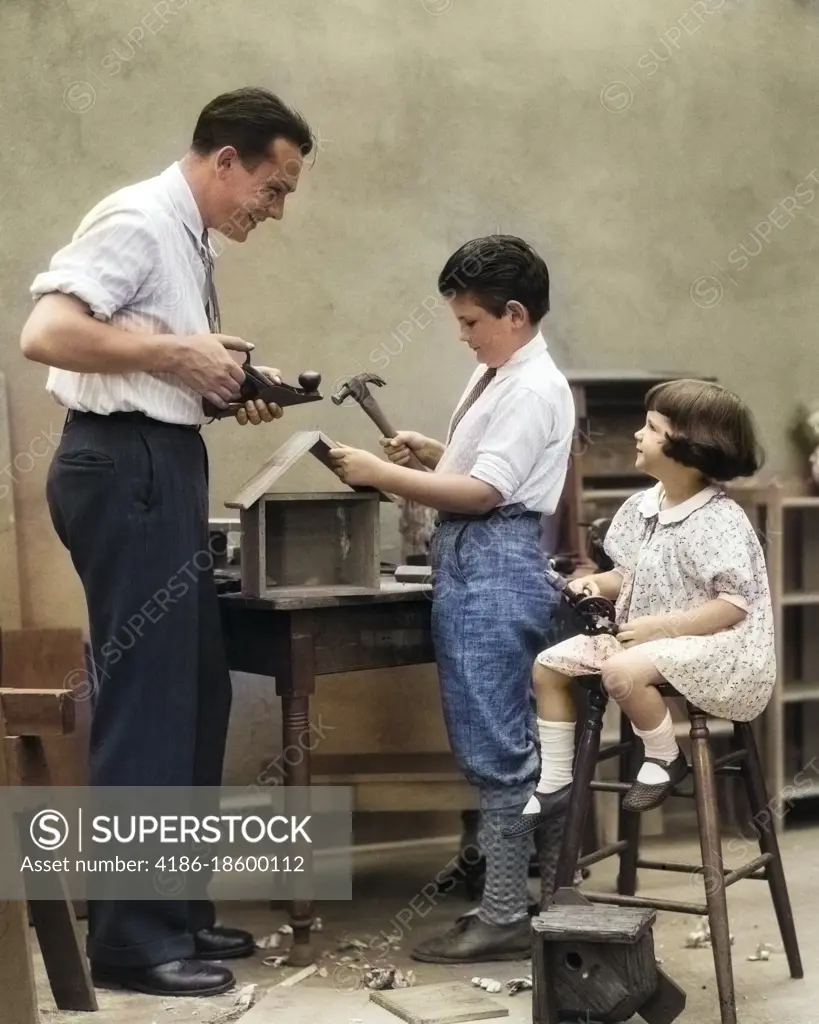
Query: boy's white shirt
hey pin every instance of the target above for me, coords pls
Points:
(517, 437)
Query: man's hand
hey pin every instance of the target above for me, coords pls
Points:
(643, 629)
(206, 364)
(256, 411)
(409, 442)
(356, 467)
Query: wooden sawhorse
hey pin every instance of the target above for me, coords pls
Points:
(27, 715)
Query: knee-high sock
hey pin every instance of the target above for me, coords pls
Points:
(556, 759)
(506, 889)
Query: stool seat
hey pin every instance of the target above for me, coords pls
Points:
(741, 763)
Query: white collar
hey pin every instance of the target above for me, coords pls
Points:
(650, 503)
(179, 192)
(537, 346)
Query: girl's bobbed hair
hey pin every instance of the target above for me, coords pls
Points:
(713, 430)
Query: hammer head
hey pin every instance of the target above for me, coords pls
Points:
(356, 387)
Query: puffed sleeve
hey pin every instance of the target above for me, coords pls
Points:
(622, 543)
(724, 553)
(105, 264)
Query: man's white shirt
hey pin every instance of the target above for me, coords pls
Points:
(134, 263)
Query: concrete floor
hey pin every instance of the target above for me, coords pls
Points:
(385, 885)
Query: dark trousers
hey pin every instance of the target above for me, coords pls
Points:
(129, 499)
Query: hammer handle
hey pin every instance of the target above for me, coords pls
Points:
(370, 406)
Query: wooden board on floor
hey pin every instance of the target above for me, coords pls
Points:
(447, 1003)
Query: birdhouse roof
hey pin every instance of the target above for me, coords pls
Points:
(300, 444)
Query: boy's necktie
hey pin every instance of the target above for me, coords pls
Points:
(471, 398)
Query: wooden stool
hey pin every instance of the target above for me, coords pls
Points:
(26, 715)
(743, 761)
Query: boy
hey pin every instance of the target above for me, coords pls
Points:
(502, 467)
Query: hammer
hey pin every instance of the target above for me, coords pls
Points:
(356, 388)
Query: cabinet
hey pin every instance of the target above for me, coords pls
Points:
(787, 518)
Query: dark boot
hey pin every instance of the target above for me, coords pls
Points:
(472, 940)
(548, 841)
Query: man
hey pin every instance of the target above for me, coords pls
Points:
(127, 319)
(503, 466)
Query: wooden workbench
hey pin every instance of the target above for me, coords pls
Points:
(303, 633)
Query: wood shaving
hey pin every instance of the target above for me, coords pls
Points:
(276, 961)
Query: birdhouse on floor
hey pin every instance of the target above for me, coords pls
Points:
(328, 540)
(596, 963)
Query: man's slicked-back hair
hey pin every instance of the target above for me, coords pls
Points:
(496, 270)
(249, 119)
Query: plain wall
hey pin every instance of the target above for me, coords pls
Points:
(637, 146)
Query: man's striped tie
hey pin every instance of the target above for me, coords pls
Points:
(471, 398)
(212, 305)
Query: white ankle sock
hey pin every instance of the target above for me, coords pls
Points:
(556, 757)
(662, 744)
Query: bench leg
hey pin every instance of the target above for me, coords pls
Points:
(19, 994)
(714, 877)
(768, 843)
(628, 825)
(65, 961)
(584, 769)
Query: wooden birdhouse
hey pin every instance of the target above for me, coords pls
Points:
(292, 541)
(594, 962)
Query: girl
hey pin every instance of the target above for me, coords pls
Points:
(691, 593)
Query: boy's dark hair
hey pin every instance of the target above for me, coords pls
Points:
(713, 429)
(498, 269)
(249, 119)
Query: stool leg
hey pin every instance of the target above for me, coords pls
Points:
(768, 843)
(711, 846)
(628, 825)
(584, 768)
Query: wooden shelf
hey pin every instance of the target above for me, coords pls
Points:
(808, 789)
(608, 494)
(792, 693)
(800, 501)
(797, 598)
(397, 782)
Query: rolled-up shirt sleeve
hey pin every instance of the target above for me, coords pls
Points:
(105, 264)
(520, 428)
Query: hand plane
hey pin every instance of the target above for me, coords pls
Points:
(257, 385)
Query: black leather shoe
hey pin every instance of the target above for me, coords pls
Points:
(552, 805)
(473, 941)
(223, 943)
(644, 797)
(177, 978)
